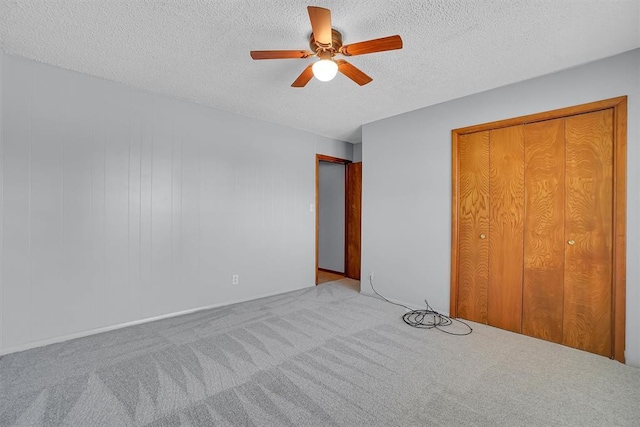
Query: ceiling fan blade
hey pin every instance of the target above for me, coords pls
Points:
(371, 46)
(353, 73)
(320, 24)
(280, 54)
(303, 78)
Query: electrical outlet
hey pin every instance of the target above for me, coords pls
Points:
(235, 279)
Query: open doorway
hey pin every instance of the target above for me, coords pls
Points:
(338, 212)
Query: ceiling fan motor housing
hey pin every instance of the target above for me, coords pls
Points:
(336, 43)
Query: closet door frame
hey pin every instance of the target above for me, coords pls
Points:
(619, 107)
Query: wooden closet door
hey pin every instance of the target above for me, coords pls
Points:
(544, 243)
(506, 189)
(588, 232)
(473, 226)
(568, 241)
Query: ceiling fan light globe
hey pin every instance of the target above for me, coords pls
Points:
(325, 70)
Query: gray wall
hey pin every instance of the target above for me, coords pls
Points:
(331, 177)
(121, 205)
(406, 217)
(334, 148)
(357, 152)
(1, 198)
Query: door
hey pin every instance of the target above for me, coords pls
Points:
(349, 253)
(331, 217)
(491, 227)
(588, 232)
(569, 254)
(353, 223)
(473, 222)
(552, 264)
(506, 199)
(544, 242)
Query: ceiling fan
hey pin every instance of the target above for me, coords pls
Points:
(326, 43)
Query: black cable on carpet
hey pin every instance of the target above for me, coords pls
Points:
(426, 318)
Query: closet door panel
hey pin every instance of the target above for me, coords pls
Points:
(588, 231)
(506, 188)
(544, 243)
(473, 273)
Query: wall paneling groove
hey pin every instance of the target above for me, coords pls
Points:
(120, 205)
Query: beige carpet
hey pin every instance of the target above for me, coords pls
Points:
(322, 356)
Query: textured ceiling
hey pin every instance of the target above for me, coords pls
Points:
(199, 50)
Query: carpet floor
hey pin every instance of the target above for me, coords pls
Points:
(323, 356)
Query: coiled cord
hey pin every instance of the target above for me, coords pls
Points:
(426, 318)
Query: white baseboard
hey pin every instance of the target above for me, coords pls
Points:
(55, 340)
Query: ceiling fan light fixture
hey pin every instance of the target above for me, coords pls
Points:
(325, 70)
(325, 43)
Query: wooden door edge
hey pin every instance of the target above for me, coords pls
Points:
(455, 178)
(349, 197)
(618, 335)
(345, 261)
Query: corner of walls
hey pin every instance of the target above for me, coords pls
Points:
(334, 148)
(357, 152)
